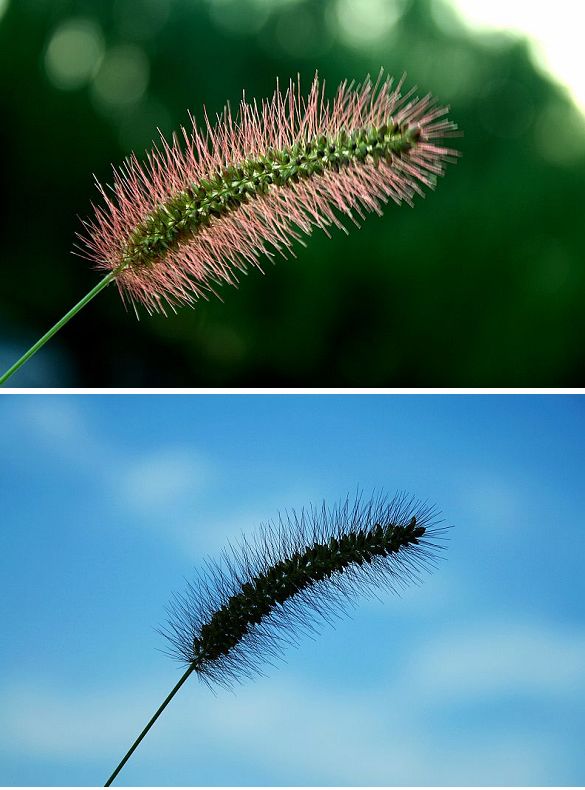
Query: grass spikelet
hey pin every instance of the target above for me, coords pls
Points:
(304, 568)
(215, 200)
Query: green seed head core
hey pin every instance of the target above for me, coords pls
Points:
(184, 214)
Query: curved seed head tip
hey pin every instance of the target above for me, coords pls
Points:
(306, 567)
(215, 200)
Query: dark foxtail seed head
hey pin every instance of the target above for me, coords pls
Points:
(258, 596)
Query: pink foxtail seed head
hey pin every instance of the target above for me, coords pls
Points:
(213, 201)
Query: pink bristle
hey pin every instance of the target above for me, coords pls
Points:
(269, 223)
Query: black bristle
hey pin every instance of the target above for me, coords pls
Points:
(302, 569)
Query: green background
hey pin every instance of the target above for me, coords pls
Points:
(481, 284)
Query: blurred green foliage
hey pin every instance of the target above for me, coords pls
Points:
(481, 284)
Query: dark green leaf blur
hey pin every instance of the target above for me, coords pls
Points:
(481, 284)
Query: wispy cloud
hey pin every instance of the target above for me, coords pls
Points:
(152, 482)
(496, 501)
(57, 723)
(162, 478)
(146, 482)
(299, 732)
(499, 658)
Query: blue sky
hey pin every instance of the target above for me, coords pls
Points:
(475, 677)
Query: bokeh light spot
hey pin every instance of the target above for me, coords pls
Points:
(3, 7)
(74, 53)
(361, 22)
(122, 78)
(445, 17)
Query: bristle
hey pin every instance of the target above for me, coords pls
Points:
(213, 201)
(303, 569)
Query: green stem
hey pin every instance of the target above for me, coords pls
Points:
(132, 749)
(54, 329)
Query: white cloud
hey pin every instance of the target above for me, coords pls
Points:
(237, 520)
(57, 423)
(502, 658)
(159, 479)
(148, 482)
(436, 591)
(280, 724)
(496, 502)
(303, 733)
(56, 723)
